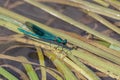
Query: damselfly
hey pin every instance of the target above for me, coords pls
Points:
(39, 33)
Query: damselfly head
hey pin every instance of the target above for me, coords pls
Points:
(64, 42)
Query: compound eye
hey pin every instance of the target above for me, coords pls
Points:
(65, 42)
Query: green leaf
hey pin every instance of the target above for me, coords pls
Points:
(7, 74)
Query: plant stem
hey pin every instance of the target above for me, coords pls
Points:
(101, 2)
(98, 63)
(7, 74)
(93, 15)
(98, 9)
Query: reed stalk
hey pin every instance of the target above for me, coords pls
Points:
(98, 9)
